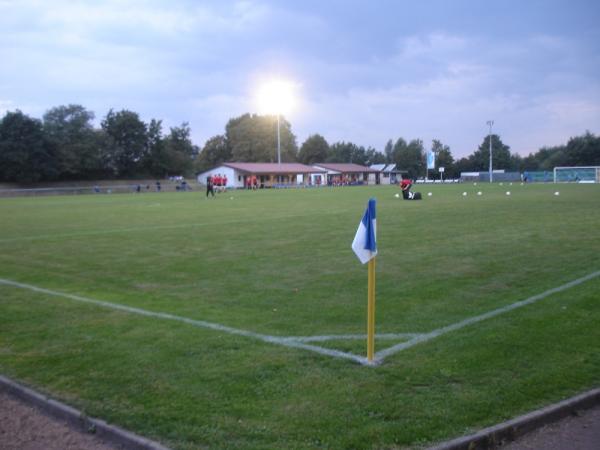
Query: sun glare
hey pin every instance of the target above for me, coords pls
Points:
(276, 96)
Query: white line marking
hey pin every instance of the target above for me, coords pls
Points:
(334, 337)
(197, 323)
(298, 342)
(463, 323)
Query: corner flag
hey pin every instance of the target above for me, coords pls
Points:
(364, 244)
(365, 247)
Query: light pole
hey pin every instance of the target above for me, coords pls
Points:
(278, 142)
(490, 123)
(276, 98)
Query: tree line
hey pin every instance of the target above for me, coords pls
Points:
(64, 145)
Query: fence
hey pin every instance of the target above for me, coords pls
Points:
(96, 189)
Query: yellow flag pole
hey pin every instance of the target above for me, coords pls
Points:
(371, 312)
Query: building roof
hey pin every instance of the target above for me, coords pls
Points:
(345, 167)
(385, 168)
(269, 168)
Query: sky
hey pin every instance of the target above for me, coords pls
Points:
(363, 71)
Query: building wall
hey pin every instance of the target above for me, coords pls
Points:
(318, 179)
(237, 179)
(385, 178)
(231, 174)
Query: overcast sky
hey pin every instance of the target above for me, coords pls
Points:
(365, 71)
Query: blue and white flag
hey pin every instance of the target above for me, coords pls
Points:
(364, 244)
(430, 160)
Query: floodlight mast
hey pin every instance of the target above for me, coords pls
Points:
(278, 142)
(490, 123)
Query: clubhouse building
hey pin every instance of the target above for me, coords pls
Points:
(274, 175)
(387, 173)
(267, 175)
(342, 174)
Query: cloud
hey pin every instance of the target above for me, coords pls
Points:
(5, 106)
(437, 45)
(363, 79)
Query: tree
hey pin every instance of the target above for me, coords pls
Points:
(25, 154)
(410, 157)
(389, 152)
(583, 150)
(501, 157)
(463, 165)
(444, 158)
(346, 152)
(374, 157)
(517, 162)
(253, 138)
(399, 147)
(70, 131)
(180, 150)
(215, 152)
(156, 161)
(313, 150)
(128, 142)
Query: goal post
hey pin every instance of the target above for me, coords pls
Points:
(577, 174)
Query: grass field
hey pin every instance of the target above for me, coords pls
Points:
(262, 266)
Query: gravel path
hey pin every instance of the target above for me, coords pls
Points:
(581, 432)
(25, 428)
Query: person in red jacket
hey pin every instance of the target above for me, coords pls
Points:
(405, 185)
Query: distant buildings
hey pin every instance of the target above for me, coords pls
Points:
(270, 175)
(347, 173)
(387, 173)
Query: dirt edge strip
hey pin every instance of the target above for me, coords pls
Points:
(497, 435)
(78, 420)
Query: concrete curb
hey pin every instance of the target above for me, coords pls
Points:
(492, 437)
(78, 420)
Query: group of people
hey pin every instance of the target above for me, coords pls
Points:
(343, 180)
(138, 188)
(251, 182)
(216, 182)
(220, 182)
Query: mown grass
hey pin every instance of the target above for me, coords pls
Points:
(279, 262)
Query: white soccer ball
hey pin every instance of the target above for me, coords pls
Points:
(507, 192)
(230, 198)
(557, 193)
(474, 184)
(479, 193)
(464, 194)
(429, 194)
(397, 195)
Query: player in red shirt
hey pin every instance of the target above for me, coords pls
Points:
(405, 185)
